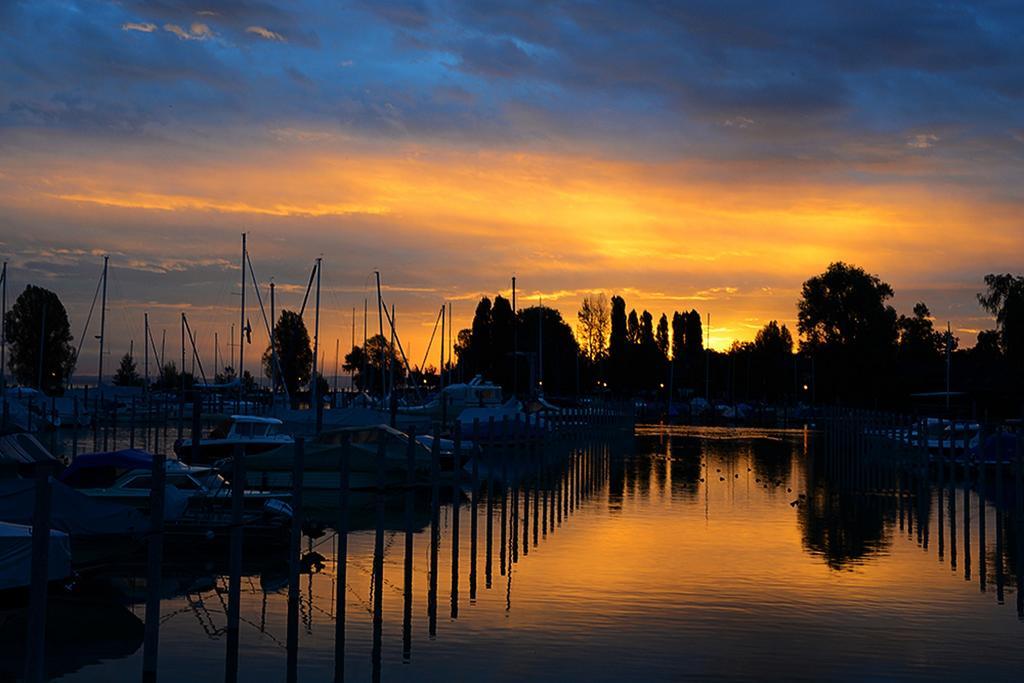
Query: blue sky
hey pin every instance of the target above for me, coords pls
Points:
(699, 154)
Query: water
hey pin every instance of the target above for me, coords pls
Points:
(702, 553)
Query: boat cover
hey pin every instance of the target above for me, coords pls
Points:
(23, 449)
(16, 556)
(72, 512)
(127, 459)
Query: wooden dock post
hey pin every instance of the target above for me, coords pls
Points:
(435, 529)
(154, 568)
(235, 563)
(456, 500)
(35, 656)
(294, 544)
(341, 560)
(489, 538)
(473, 521)
(378, 564)
(410, 493)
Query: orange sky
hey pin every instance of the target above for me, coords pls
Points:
(446, 224)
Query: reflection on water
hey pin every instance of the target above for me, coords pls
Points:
(705, 552)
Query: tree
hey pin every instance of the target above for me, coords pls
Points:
(127, 374)
(773, 340)
(170, 379)
(480, 337)
(503, 329)
(633, 328)
(618, 345)
(846, 307)
(561, 350)
(594, 323)
(38, 322)
(661, 336)
(845, 321)
(294, 353)
(678, 335)
(1004, 298)
(694, 335)
(375, 356)
(918, 338)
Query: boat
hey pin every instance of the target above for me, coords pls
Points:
(20, 455)
(16, 556)
(126, 477)
(454, 399)
(254, 435)
(272, 470)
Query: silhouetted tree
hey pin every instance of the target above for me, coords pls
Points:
(694, 335)
(127, 374)
(618, 344)
(480, 339)
(38, 322)
(294, 353)
(918, 338)
(595, 321)
(678, 335)
(170, 379)
(377, 354)
(561, 351)
(1004, 298)
(661, 336)
(774, 340)
(499, 366)
(845, 322)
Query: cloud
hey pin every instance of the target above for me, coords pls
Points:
(196, 31)
(922, 141)
(265, 33)
(134, 26)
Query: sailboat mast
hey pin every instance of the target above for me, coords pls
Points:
(380, 317)
(315, 380)
(515, 342)
(146, 343)
(241, 333)
(273, 345)
(3, 330)
(103, 321)
(444, 342)
(540, 343)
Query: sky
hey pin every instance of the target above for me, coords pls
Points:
(707, 155)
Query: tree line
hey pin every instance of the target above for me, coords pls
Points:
(851, 346)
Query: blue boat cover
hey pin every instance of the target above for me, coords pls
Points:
(127, 459)
(1003, 445)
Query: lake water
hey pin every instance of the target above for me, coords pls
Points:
(683, 553)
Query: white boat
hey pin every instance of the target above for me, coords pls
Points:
(454, 399)
(254, 434)
(16, 556)
(126, 477)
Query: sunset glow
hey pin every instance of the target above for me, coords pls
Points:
(416, 144)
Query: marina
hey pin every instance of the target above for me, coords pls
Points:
(644, 539)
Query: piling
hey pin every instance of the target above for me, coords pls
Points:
(378, 564)
(489, 541)
(235, 561)
(341, 560)
(456, 496)
(473, 522)
(410, 492)
(155, 558)
(435, 530)
(292, 644)
(35, 660)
